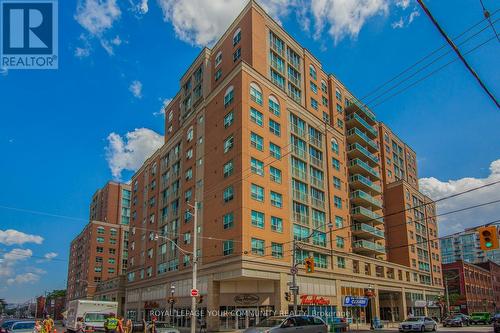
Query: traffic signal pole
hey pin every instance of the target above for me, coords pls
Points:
(294, 277)
(195, 267)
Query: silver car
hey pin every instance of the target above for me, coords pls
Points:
(306, 324)
(25, 326)
(164, 327)
(418, 324)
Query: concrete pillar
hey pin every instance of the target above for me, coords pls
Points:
(403, 304)
(376, 304)
(426, 312)
(213, 304)
(280, 287)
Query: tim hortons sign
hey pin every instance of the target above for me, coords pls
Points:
(313, 300)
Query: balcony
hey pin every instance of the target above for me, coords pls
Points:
(315, 141)
(279, 49)
(358, 136)
(299, 131)
(354, 120)
(296, 150)
(357, 106)
(361, 182)
(359, 197)
(358, 166)
(300, 196)
(356, 150)
(300, 218)
(279, 67)
(363, 230)
(363, 214)
(367, 247)
(299, 174)
(295, 81)
(318, 203)
(316, 161)
(316, 182)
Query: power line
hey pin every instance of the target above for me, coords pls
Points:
(457, 51)
(487, 15)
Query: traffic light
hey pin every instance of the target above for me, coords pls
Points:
(287, 296)
(488, 238)
(309, 265)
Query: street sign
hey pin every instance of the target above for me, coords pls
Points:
(355, 301)
(296, 288)
(294, 270)
(195, 293)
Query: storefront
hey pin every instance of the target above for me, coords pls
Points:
(316, 305)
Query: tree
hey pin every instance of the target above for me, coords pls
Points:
(3, 305)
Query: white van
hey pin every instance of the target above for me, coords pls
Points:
(93, 313)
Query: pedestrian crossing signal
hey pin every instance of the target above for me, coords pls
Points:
(287, 296)
(309, 262)
(488, 238)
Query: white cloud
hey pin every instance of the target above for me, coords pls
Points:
(345, 18)
(398, 24)
(97, 16)
(406, 21)
(82, 52)
(11, 237)
(24, 278)
(9, 259)
(140, 6)
(50, 255)
(436, 189)
(412, 16)
(136, 88)
(165, 103)
(403, 3)
(202, 22)
(131, 150)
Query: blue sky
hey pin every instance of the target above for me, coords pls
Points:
(64, 133)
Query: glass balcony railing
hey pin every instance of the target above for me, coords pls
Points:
(300, 218)
(367, 245)
(318, 203)
(299, 151)
(316, 161)
(315, 141)
(356, 105)
(357, 132)
(278, 48)
(299, 131)
(364, 166)
(355, 117)
(316, 182)
(366, 228)
(357, 178)
(298, 173)
(363, 214)
(358, 149)
(358, 194)
(299, 195)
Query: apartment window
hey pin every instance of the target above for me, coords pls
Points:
(312, 72)
(275, 150)
(228, 119)
(237, 37)
(188, 195)
(276, 199)
(227, 247)
(314, 87)
(100, 230)
(335, 146)
(339, 108)
(324, 101)
(275, 174)
(256, 116)
(339, 222)
(257, 192)
(228, 220)
(257, 166)
(314, 104)
(274, 106)
(228, 169)
(338, 94)
(319, 238)
(228, 193)
(337, 202)
(257, 219)
(276, 224)
(340, 123)
(255, 93)
(277, 250)
(98, 259)
(237, 55)
(256, 141)
(274, 127)
(337, 183)
(100, 249)
(258, 246)
(190, 134)
(340, 262)
(100, 240)
(229, 96)
(228, 143)
(300, 233)
(335, 164)
(218, 74)
(187, 238)
(97, 269)
(189, 154)
(339, 241)
(324, 87)
(218, 58)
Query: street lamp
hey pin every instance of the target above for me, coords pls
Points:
(172, 301)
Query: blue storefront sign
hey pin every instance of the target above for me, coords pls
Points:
(356, 301)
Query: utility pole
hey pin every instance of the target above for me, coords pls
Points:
(293, 270)
(447, 295)
(195, 266)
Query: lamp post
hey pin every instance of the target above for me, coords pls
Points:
(172, 301)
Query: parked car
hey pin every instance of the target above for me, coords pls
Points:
(480, 318)
(290, 324)
(164, 327)
(7, 324)
(496, 323)
(19, 326)
(458, 319)
(418, 324)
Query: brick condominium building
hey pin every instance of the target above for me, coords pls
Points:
(100, 251)
(271, 148)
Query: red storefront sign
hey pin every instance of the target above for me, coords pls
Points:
(313, 300)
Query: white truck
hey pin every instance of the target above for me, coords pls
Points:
(93, 313)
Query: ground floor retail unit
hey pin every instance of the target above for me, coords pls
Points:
(241, 298)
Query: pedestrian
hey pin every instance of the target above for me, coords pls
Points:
(48, 324)
(80, 327)
(38, 327)
(129, 326)
(111, 324)
(120, 325)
